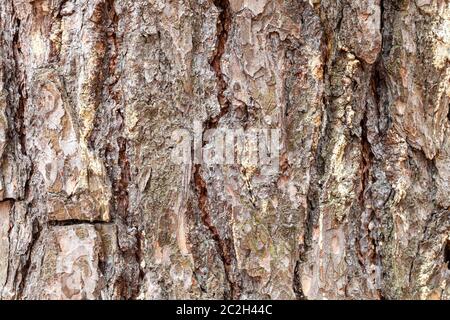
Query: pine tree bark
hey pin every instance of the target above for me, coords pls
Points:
(91, 207)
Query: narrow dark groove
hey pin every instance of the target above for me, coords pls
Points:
(133, 274)
(382, 22)
(27, 187)
(223, 29)
(121, 188)
(20, 119)
(317, 167)
(55, 52)
(368, 214)
(128, 280)
(249, 189)
(448, 113)
(25, 270)
(19, 113)
(296, 284)
(378, 87)
(109, 27)
(447, 253)
(367, 160)
(223, 248)
(139, 258)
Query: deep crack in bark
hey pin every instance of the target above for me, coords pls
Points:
(223, 29)
(25, 270)
(223, 248)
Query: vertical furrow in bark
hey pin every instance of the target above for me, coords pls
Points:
(222, 30)
(35, 235)
(223, 247)
(128, 281)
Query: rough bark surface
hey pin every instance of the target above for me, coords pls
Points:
(91, 207)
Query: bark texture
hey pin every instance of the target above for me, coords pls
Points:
(91, 207)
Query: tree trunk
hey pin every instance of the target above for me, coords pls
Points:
(355, 92)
